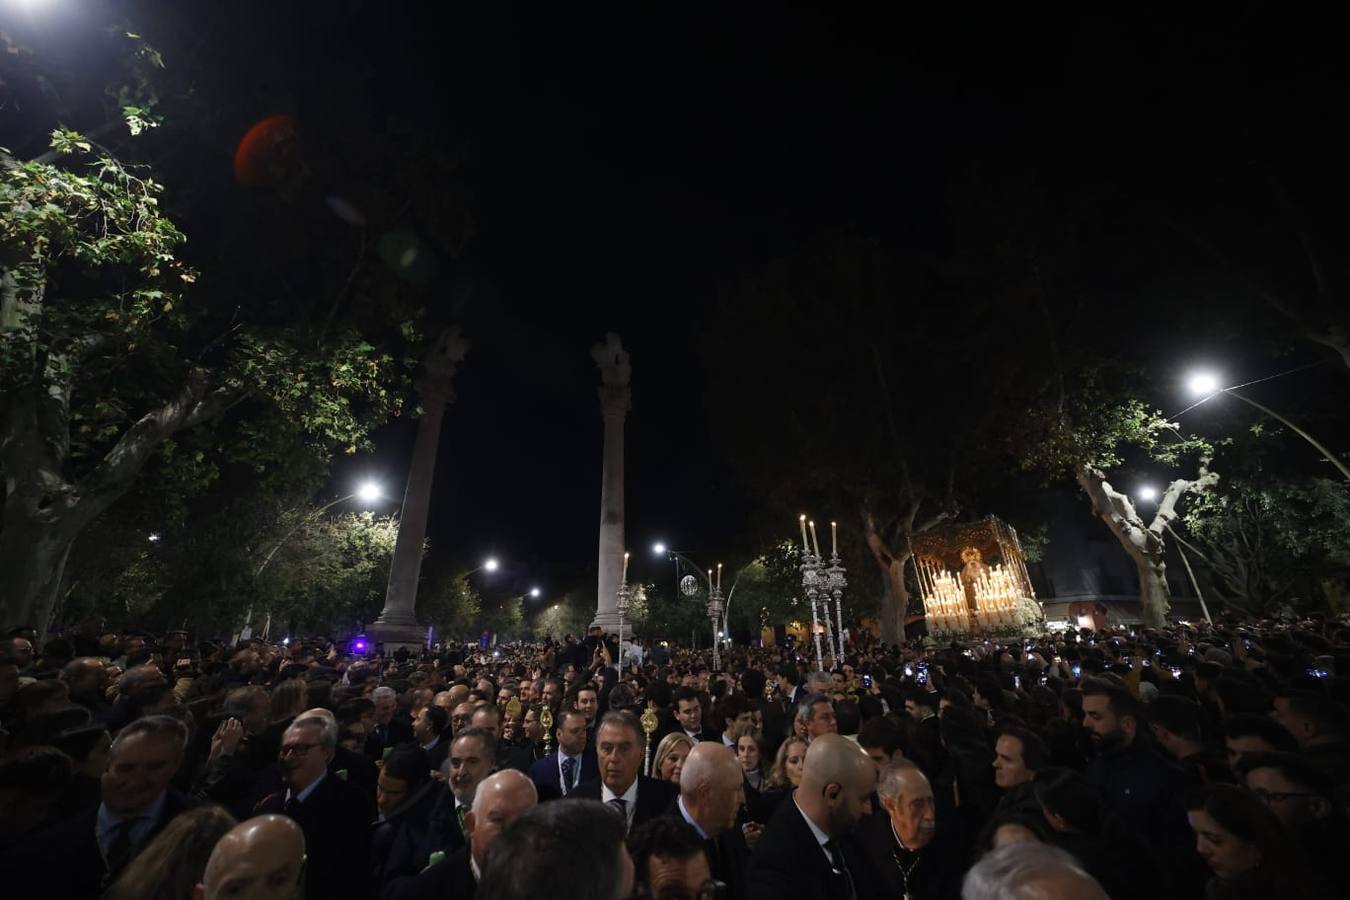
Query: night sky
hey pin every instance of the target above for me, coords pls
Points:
(626, 160)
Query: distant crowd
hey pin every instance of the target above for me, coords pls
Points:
(1194, 761)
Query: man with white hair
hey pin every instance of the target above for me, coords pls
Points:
(712, 792)
(1030, 871)
(391, 726)
(908, 857)
(499, 800)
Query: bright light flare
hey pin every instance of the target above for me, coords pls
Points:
(153, 537)
(491, 564)
(1148, 492)
(659, 548)
(1203, 384)
(535, 592)
(369, 492)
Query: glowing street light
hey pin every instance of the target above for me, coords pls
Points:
(659, 549)
(490, 564)
(535, 592)
(1203, 384)
(369, 492)
(153, 537)
(1148, 492)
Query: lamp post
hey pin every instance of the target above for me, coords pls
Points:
(1206, 385)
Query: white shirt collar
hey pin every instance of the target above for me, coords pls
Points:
(629, 797)
(304, 795)
(684, 811)
(473, 867)
(821, 837)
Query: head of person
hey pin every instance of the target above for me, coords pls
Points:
(567, 849)
(733, 712)
(1110, 715)
(1236, 834)
(837, 778)
(353, 735)
(1175, 723)
(1249, 733)
(670, 755)
(819, 683)
(712, 787)
(552, 692)
(144, 757)
(787, 763)
(499, 801)
(571, 732)
(880, 738)
(488, 718)
(83, 676)
(669, 862)
(1013, 828)
(907, 797)
(462, 716)
(385, 699)
(588, 701)
(88, 746)
(172, 864)
(530, 724)
(406, 770)
(816, 716)
(473, 753)
(251, 706)
(429, 724)
(922, 705)
(619, 747)
(1311, 718)
(1029, 871)
(1070, 803)
(1019, 754)
(307, 747)
(32, 783)
(749, 751)
(260, 858)
(1297, 791)
(688, 709)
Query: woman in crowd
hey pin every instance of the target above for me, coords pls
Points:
(670, 756)
(750, 754)
(170, 867)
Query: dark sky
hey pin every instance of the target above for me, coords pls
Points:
(629, 158)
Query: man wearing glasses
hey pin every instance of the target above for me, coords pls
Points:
(333, 814)
(1302, 796)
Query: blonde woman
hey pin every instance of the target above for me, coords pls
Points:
(171, 865)
(784, 776)
(670, 756)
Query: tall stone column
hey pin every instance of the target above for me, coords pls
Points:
(615, 401)
(397, 625)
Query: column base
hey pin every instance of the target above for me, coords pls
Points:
(608, 620)
(397, 630)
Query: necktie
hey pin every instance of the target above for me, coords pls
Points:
(291, 806)
(841, 867)
(621, 806)
(119, 848)
(460, 811)
(569, 769)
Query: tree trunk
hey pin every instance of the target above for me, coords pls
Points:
(32, 565)
(894, 600)
(1155, 597)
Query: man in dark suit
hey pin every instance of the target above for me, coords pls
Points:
(391, 728)
(500, 798)
(489, 718)
(688, 709)
(428, 732)
(712, 792)
(80, 857)
(619, 750)
(803, 852)
(334, 815)
(907, 855)
(572, 764)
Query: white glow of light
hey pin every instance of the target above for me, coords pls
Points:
(491, 565)
(1202, 384)
(368, 492)
(1148, 492)
(153, 537)
(535, 592)
(659, 548)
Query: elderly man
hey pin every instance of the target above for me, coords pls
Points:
(333, 814)
(899, 841)
(473, 755)
(564, 850)
(803, 853)
(499, 800)
(391, 728)
(81, 856)
(712, 791)
(621, 786)
(261, 859)
(815, 716)
(1029, 872)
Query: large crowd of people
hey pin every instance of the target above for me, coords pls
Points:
(1195, 761)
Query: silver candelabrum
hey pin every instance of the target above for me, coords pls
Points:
(820, 583)
(622, 598)
(715, 616)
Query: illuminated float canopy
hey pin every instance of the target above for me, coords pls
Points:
(974, 581)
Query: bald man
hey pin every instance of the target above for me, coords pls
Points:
(260, 858)
(712, 792)
(805, 852)
(498, 801)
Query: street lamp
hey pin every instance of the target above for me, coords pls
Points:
(535, 592)
(368, 492)
(1148, 493)
(1206, 385)
(490, 564)
(659, 549)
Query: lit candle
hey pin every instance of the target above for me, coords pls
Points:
(710, 581)
(624, 579)
(806, 548)
(834, 538)
(719, 576)
(814, 543)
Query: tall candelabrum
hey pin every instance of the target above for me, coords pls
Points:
(715, 616)
(820, 583)
(623, 597)
(835, 582)
(813, 587)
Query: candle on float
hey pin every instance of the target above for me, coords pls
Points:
(806, 548)
(719, 576)
(834, 538)
(624, 579)
(710, 581)
(815, 545)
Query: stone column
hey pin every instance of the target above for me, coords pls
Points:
(615, 401)
(397, 625)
